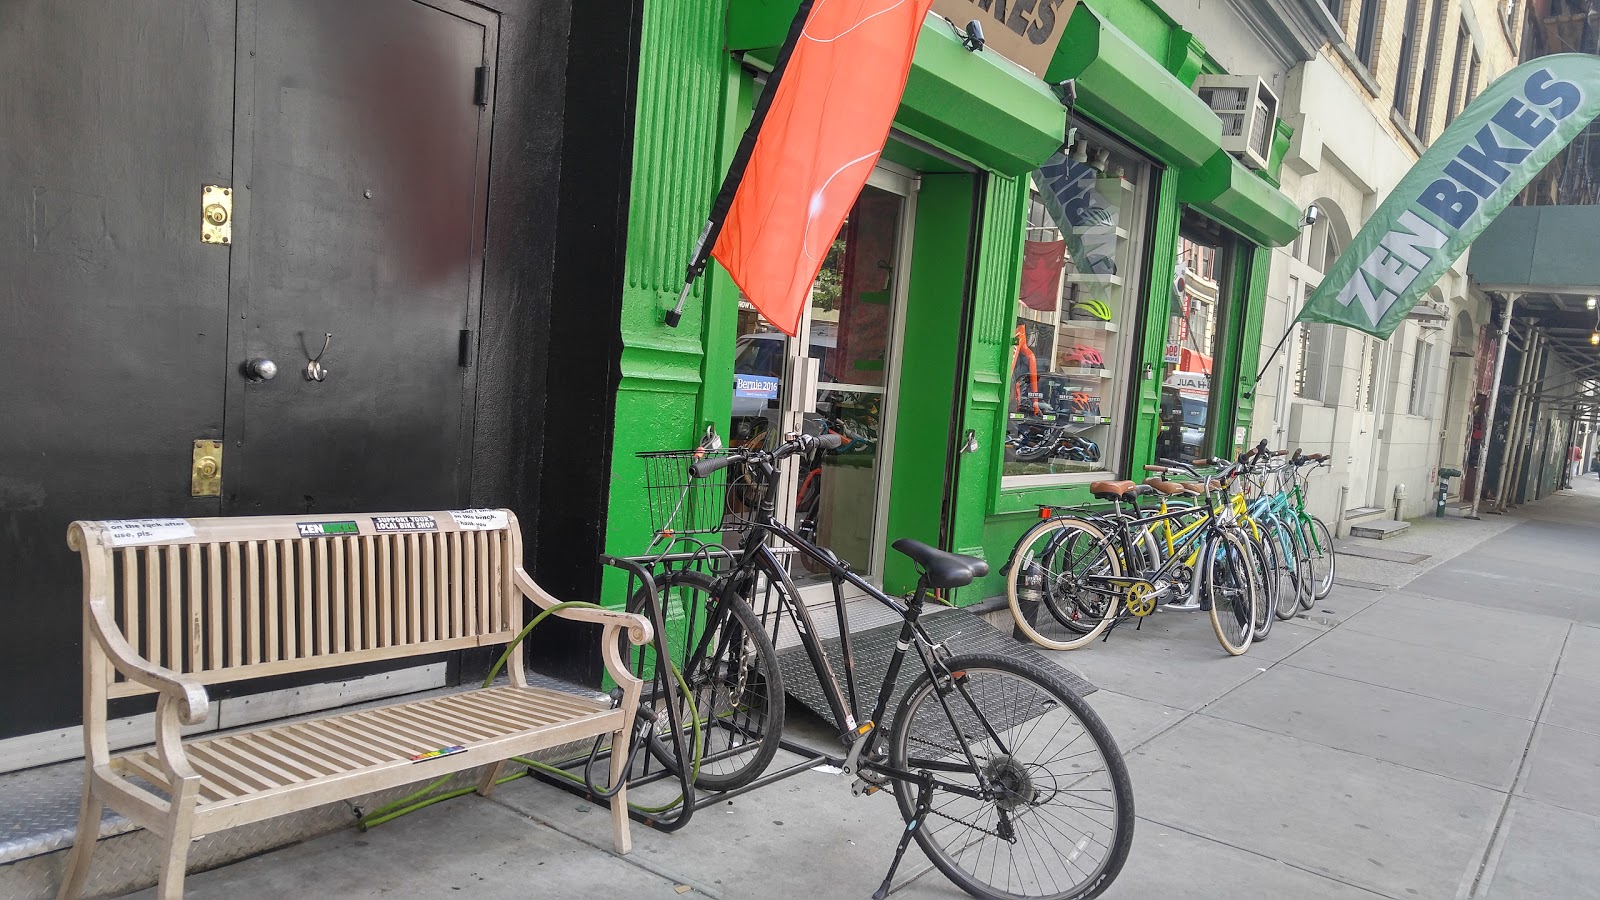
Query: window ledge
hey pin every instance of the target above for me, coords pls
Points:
(1298, 400)
(1505, 26)
(1404, 127)
(1356, 66)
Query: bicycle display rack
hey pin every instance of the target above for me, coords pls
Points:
(646, 769)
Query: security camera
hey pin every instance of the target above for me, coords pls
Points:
(1313, 213)
(974, 36)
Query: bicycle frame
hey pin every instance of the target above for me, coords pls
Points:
(756, 557)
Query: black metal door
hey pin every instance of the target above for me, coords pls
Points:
(113, 314)
(360, 173)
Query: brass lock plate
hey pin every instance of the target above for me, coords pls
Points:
(205, 479)
(216, 214)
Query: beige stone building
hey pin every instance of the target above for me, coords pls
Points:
(1391, 75)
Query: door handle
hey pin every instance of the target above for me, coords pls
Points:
(258, 369)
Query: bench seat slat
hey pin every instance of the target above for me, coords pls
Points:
(439, 717)
(309, 765)
(332, 740)
(240, 769)
(217, 780)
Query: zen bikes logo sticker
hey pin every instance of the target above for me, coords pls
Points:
(392, 524)
(327, 529)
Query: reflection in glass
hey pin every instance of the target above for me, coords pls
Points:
(1071, 343)
(848, 332)
(1199, 300)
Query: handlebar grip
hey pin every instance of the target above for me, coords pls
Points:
(1156, 469)
(1280, 453)
(830, 441)
(703, 467)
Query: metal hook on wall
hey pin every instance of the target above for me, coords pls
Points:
(314, 367)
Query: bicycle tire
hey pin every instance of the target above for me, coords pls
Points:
(1288, 573)
(1036, 552)
(1302, 551)
(1021, 700)
(752, 727)
(1232, 598)
(1320, 550)
(1263, 584)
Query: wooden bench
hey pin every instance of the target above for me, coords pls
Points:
(171, 606)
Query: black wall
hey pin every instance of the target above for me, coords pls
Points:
(584, 350)
(57, 463)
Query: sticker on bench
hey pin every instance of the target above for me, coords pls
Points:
(404, 523)
(480, 519)
(435, 754)
(327, 529)
(128, 532)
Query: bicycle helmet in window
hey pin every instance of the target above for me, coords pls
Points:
(1090, 309)
(1087, 357)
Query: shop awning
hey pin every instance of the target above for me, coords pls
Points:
(1235, 196)
(1121, 86)
(978, 106)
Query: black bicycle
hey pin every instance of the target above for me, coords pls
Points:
(1007, 779)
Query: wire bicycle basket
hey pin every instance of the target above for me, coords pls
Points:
(681, 505)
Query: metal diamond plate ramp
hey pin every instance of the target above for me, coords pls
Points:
(961, 631)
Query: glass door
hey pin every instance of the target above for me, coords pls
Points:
(839, 375)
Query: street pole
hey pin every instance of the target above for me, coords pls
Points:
(1494, 396)
(1521, 415)
(1513, 442)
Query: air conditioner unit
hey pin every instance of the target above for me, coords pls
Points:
(1249, 112)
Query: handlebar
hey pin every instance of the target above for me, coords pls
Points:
(796, 443)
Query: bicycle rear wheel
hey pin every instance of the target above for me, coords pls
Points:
(729, 665)
(1228, 587)
(1048, 574)
(1057, 818)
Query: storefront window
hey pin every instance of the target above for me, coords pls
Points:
(1201, 296)
(1072, 341)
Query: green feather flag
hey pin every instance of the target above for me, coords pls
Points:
(1472, 172)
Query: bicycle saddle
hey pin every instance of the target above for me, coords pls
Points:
(945, 570)
(1171, 488)
(1113, 490)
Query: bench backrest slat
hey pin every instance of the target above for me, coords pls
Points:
(229, 599)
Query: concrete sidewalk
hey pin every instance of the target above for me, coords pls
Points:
(1432, 729)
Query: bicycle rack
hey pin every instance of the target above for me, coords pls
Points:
(652, 771)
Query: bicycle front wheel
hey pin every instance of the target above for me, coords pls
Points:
(1288, 569)
(1262, 582)
(729, 665)
(1048, 810)
(1056, 584)
(1319, 549)
(1229, 589)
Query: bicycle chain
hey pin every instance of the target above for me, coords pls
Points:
(942, 815)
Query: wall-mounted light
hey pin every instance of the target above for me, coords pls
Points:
(1592, 302)
(1594, 337)
(1312, 214)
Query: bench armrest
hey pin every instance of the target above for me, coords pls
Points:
(637, 627)
(190, 695)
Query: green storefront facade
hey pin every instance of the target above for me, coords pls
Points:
(971, 130)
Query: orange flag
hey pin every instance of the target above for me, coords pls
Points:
(822, 134)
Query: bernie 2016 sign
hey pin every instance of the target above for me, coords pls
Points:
(1472, 172)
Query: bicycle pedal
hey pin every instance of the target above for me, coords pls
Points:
(864, 788)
